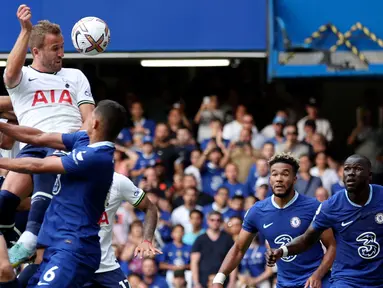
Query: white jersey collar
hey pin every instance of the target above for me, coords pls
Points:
(357, 205)
(102, 143)
(288, 204)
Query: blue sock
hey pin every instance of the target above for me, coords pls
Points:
(27, 274)
(8, 205)
(40, 204)
(11, 284)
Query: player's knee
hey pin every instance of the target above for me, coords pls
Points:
(6, 271)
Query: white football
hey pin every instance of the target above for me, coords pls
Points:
(90, 36)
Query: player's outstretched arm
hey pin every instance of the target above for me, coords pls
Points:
(329, 242)
(151, 217)
(233, 257)
(297, 246)
(31, 165)
(17, 56)
(33, 136)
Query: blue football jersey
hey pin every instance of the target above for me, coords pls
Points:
(358, 233)
(178, 256)
(281, 226)
(254, 261)
(237, 189)
(212, 178)
(71, 221)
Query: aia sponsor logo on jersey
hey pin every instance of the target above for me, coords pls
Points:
(52, 96)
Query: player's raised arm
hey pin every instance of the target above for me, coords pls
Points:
(33, 136)
(234, 257)
(17, 56)
(297, 246)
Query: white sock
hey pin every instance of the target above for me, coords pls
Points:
(29, 240)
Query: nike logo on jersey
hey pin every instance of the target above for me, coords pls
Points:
(42, 283)
(268, 225)
(32, 79)
(347, 223)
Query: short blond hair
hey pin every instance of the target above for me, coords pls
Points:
(39, 31)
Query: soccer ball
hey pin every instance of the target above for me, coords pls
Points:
(90, 36)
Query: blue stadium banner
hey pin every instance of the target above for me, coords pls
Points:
(152, 25)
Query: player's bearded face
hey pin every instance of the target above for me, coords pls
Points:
(282, 180)
(52, 53)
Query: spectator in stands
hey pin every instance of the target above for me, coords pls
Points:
(321, 169)
(207, 117)
(306, 183)
(232, 130)
(309, 129)
(130, 263)
(232, 184)
(242, 154)
(323, 126)
(165, 150)
(176, 191)
(259, 170)
(253, 269)
(179, 280)
(249, 202)
(292, 145)
(209, 251)
(321, 194)
(215, 136)
(150, 182)
(211, 165)
(141, 125)
(181, 215)
(261, 188)
(147, 158)
(233, 226)
(150, 276)
(175, 122)
(340, 184)
(257, 139)
(221, 205)
(196, 220)
(268, 150)
(269, 131)
(192, 168)
(237, 203)
(278, 125)
(184, 145)
(175, 255)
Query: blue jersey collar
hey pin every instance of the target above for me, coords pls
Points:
(288, 204)
(102, 143)
(357, 205)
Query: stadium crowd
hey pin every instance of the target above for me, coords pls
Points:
(192, 168)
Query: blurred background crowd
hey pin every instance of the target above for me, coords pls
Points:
(205, 164)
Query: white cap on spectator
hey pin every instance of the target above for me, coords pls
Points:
(261, 181)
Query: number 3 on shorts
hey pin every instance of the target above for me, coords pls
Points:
(49, 276)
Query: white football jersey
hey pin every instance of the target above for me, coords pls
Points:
(122, 189)
(50, 102)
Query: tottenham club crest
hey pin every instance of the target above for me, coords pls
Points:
(295, 222)
(379, 218)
